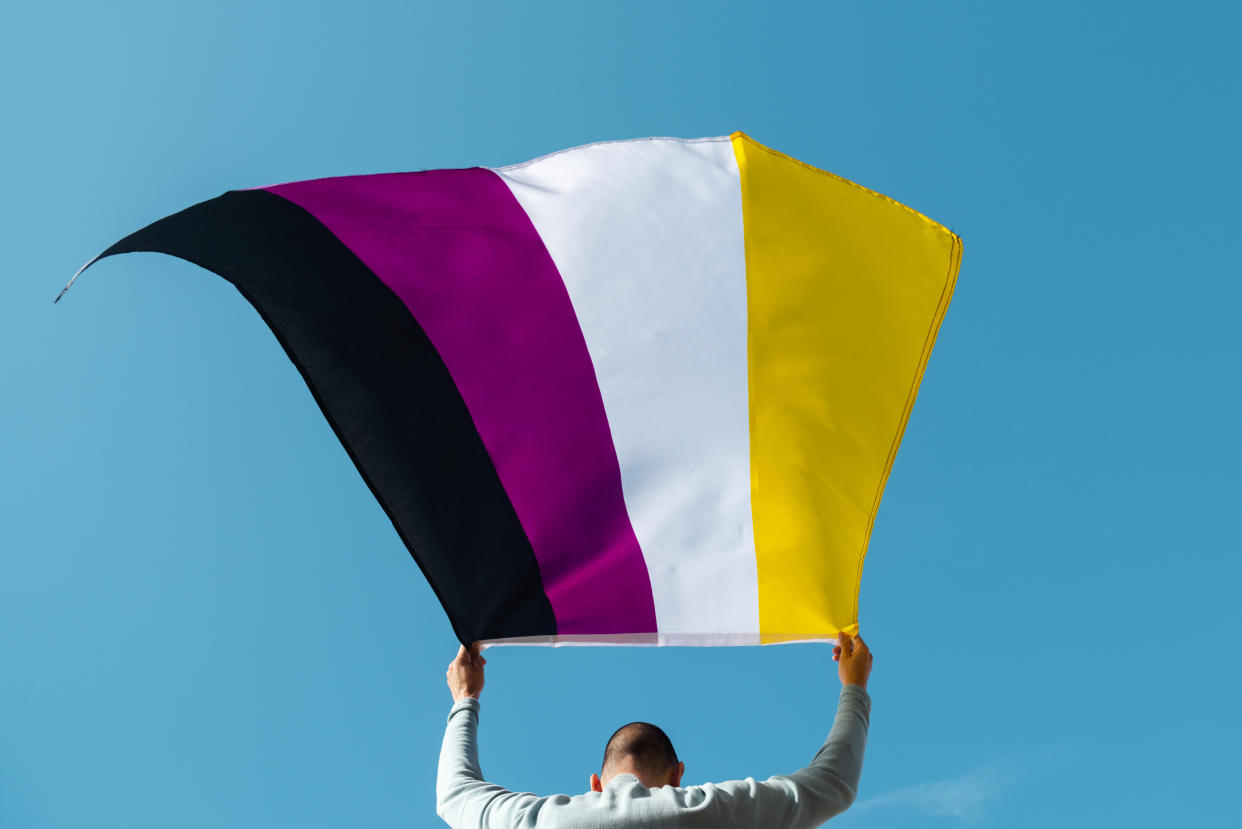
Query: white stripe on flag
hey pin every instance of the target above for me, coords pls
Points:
(647, 235)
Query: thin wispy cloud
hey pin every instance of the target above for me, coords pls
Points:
(966, 797)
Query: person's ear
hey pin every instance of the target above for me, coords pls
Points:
(596, 786)
(675, 775)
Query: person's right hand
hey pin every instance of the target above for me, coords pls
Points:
(855, 660)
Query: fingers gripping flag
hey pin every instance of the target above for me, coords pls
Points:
(640, 392)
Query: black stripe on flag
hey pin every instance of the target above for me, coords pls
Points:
(386, 393)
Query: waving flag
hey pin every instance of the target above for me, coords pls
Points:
(634, 392)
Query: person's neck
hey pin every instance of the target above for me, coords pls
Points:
(650, 783)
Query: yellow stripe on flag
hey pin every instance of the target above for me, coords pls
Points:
(846, 289)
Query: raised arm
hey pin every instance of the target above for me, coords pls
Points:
(834, 773)
(463, 798)
(827, 786)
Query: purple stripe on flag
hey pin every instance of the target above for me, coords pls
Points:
(463, 256)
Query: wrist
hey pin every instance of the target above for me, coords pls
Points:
(469, 704)
(852, 689)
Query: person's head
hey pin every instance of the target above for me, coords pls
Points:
(643, 750)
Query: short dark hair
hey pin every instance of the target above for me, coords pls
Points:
(643, 746)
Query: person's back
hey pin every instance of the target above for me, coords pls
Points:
(639, 783)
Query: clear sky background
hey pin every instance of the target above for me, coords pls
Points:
(206, 620)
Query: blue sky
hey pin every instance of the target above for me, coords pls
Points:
(206, 620)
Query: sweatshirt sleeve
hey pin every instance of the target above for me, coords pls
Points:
(825, 788)
(463, 798)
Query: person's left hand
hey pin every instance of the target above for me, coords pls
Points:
(465, 673)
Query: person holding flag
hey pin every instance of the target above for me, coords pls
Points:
(639, 783)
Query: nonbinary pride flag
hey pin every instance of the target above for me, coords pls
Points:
(636, 392)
